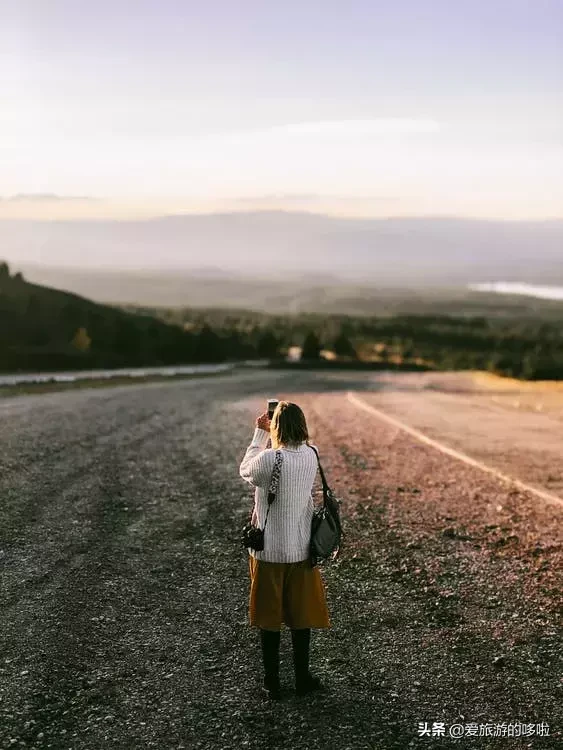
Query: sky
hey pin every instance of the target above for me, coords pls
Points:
(354, 107)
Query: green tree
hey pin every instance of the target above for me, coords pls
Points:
(343, 346)
(311, 346)
(209, 346)
(127, 341)
(236, 347)
(268, 344)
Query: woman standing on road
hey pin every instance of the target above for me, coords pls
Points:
(283, 585)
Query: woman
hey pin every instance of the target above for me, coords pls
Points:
(283, 585)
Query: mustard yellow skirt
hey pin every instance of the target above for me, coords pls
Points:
(290, 593)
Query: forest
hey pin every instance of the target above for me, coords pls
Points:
(46, 329)
(523, 347)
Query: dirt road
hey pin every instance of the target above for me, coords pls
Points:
(123, 592)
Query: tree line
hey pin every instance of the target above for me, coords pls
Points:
(42, 328)
(523, 347)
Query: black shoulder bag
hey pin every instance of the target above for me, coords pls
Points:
(326, 528)
(253, 536)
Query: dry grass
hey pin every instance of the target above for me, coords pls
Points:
(489, 381)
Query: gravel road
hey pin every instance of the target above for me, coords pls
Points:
(123, 591)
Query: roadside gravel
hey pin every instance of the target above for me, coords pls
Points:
(123, 599)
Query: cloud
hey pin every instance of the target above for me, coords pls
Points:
(361, 127)
(47, 197)
(347, 130)
(312, 198)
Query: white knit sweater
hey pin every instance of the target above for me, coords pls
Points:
(288, 532)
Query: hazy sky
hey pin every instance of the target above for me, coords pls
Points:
(355, 106)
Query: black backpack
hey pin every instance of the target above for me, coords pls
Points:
(326, 528)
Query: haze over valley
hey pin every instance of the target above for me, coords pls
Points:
(288, 247)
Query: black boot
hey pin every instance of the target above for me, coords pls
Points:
(270, 642)
(304, 680)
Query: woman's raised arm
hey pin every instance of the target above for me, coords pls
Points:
(257, 465)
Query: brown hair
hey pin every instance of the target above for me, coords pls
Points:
(288, 426)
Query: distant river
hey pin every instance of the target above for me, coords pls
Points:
(510, 287)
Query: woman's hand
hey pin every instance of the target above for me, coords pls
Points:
(263, 422)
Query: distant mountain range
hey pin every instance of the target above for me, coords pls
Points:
(286, 245)
(204, 289)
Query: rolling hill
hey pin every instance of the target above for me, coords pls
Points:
(47, 329)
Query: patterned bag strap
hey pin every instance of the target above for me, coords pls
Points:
(274, 481)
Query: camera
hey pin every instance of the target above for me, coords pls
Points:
(253, 537)
(272, 403)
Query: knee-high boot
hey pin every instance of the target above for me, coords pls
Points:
(270, 643)
(304, 680)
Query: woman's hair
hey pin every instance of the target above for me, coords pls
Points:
(288, 426)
